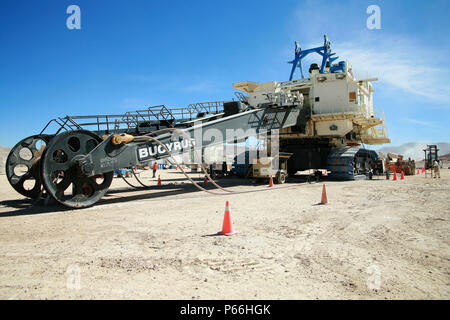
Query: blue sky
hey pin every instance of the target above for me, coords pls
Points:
(131, 54)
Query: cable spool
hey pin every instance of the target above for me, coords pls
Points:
(23, 165)
(61, 169)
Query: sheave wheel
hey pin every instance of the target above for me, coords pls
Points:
(22, 165)
(61, 174)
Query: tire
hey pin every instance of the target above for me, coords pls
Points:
(281, 178)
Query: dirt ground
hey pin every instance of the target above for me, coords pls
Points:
(378, 239)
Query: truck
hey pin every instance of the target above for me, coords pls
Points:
(396, 163)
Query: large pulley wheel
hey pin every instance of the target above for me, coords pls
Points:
(61, 173)
(23, 165)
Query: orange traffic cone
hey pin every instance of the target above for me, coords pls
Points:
(159, 180)
(227, 228)
(423, 169)
(205, 182)
(418, 171)
(324, 195)
(395, 176)
(271, 182)
(402, 176)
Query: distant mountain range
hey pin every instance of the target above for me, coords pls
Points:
(414, 150)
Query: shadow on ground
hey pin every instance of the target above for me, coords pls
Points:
(170, 187)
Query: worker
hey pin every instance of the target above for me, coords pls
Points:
(437, 170)
(155, 167)
(224, 168)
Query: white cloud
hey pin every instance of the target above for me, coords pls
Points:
(421, 122)
(398, 60)
(401, 63)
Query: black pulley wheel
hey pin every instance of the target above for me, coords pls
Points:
(23, 165)
(62, 176)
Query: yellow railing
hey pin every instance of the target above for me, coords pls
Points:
(381, 130)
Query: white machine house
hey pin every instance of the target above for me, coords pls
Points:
(337, 114)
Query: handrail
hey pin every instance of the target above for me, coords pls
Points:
(153, 116)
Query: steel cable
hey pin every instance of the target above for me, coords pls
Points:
(202, 166)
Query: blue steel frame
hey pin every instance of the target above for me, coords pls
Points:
(324, 51)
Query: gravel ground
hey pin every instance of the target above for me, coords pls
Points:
(376, 239)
